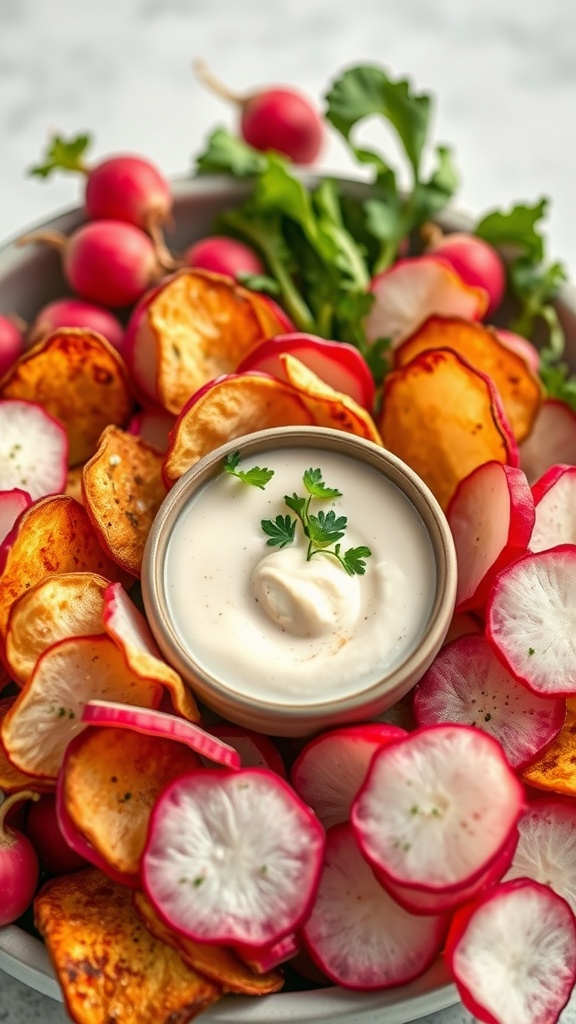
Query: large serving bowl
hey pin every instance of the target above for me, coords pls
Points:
(29, 278)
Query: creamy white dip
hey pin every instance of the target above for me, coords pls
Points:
(272, 626)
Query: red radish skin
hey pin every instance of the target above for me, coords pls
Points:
(76, 313)
(33, 449)
(476, 262)
(491, 516)
(521, 346)
(223, 255)
(512, 954)
(340, 365)
(255, 749)
(158, 723)
(266, 958)
(153, 426)
(530, 620)
(357, 934)
(329, 771)
(546, 850)
(43, 831)
(467, 684)
(555, 508)
(232, 857)
(19, 869)
(437, 808)
(110, 262)
(12, 344)
(140, 351)
(12, 503)
(128, 188)
(552, 440)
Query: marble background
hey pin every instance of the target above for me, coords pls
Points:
(504, 72)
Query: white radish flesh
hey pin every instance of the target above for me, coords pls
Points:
(555, 508)
(437, 808)
(546, 849)
(232, 857)
(553, 439)
(357, 934)
(12, 503)
(513, 954)
(467, 684)
(531, 619)
(33, 449)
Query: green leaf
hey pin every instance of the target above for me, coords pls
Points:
(259, 283)
(432, 196)
(366, 90)
(280, 531)
(559, 383)
(228, 154)
(315, 485)
(256, 477)
(295, 503)
(326, 528)
(354, 560)
(517, 229)
(64, 155)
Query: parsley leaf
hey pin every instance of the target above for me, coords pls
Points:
(315, 485)
(257, 476)
(354, 560)
(280, 531)
(226, 153)
(326, 528)
(63, 155)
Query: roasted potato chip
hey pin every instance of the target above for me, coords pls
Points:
(111, 779)
(11, 778)
(61, 606)
(518, 387)
(53, 536)
(198, 326)
(48, 712)
(328, 407)
(123, 490)
(216, 962)
(80, 379)
(131, 633)
(230, 407)
(444, 419)
(112, 970)
(555, 769)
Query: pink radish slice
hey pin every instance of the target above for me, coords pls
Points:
(33, 449)
(546, 850)
(414, 289)
(491, 516)
(12, 503)
(552, 441)
(158, 723)
(265, 958)
(555, 508)
(530, 619)
(12, 343)
(232, 857)
(140, 350)
(357, 934)
(418, 902)
(437, 808)
(467, 684)
(330, 769)
(475, 261)
(255, 749)
(521, 346)
(513, 954)
(153, 426)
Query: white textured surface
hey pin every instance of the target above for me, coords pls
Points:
(504, 72)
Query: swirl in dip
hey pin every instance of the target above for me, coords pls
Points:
(266, 623)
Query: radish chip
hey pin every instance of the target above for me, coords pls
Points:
(555, 508)
(552, 440)
(11, 778)
(555, 769)
(233, 857)
(329, 408)
(467, 684)
(513, 954)
(33, 452)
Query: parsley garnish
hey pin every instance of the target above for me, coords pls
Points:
(63, 155)
(256, 476)
(322, 531)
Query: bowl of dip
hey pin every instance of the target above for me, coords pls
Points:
(275, 638)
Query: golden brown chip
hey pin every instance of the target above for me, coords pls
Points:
(111, 780)
(80, 379)
(123, 490)
(202, 325)
(11, 778)
(111, 969)
(328, 407)
(54, 535)
(555, 770)
(64, 605)
(216, 962)
(444, 419)
(519, 388)
(235, 405)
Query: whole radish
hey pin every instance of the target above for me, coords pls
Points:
(76, 313)
(43, 831)
(474, 260)
(278, 118)
(223, 255)
(11, 343)
(19, 869)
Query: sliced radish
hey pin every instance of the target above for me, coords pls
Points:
(232, 857)
(340, 365)
(357, 934)
(530, 619)
(491, 516)
(262, 959)
(82, 846)
(513, 954)
(552, 441)
(158, 723)
(33, 449)
(467, 684)
(555, 508)
(12, 503)
(414, 289)
(255, 749)
(546, 848)
(519, 344)
(331, 768)
(463, 623)
(437, 807)
(153, 426)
